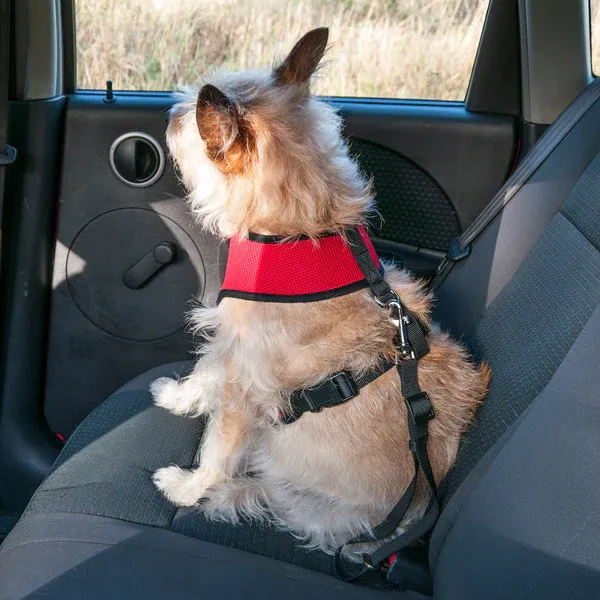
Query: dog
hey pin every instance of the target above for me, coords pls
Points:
(260, 156)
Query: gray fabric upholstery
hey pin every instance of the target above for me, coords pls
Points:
(75, 557)
(519, 517)
(529, 527)
(105, 469)
(526, 331)
(142, 382)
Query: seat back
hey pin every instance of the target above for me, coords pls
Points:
(516, 522)
(524, 275)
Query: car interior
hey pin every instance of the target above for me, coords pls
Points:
(495, 201)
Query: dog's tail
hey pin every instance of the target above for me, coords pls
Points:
(486, 374)
(240, 498)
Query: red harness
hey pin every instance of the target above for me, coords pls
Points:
(266, 268)
(270, 269)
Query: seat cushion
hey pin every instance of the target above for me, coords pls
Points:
(531, 514)
(74, 556)
(105, 470)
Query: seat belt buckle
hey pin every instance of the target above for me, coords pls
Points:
(339, 388)
(455, 252)
(409, 570)
(8, 156)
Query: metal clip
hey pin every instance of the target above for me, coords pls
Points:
(404, 349)
(400, 321)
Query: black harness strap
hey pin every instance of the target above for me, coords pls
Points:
(411, 345)
(337, 389)
(380, 289)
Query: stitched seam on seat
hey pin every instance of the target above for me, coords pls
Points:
(89, 514)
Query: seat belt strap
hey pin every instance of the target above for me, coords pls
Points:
(460, 247)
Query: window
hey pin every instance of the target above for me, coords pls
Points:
(595, 34)
(380, 48)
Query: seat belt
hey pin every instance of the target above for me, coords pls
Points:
(460, 247)
(8, 154)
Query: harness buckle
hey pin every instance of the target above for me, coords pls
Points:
(404, 348)
(420, 407)
(366, 558)
(420, 412)
(339, 388)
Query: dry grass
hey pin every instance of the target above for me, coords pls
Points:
(381, 48)
(595, 20)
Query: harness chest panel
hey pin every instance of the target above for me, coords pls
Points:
(271, 269)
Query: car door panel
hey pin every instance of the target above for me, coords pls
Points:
(433, 168)
(102, 332)
(466, 155)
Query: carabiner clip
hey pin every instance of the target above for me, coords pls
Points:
(400, 321)
(403, 348)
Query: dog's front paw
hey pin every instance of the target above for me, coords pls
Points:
(185, 488)
(167, 394)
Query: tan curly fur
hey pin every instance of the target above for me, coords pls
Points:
(259, 154)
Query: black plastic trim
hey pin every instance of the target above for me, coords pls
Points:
(495, 85)
(263, 238)
(448, 142)
(27, 447)
(168, 98)
(530, 134)
(69, 44)
(421, 262)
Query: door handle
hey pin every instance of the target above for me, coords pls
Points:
(149, 265)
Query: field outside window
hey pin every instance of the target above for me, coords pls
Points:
(407, 49)
(595, 35)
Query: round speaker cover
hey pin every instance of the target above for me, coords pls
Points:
(109, 246)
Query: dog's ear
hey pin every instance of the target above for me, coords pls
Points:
(304, 58)
(228, 138)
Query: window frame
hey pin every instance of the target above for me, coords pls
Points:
(70, 70)
(591, 33)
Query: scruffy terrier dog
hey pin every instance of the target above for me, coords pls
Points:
(260, 155)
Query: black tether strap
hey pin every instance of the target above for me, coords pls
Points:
(411, 346)
(381, 291)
